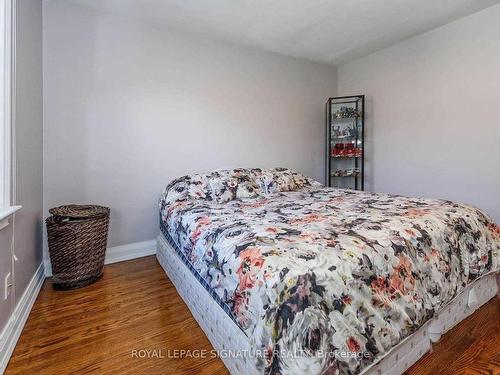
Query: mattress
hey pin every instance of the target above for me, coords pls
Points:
(305, 271)
(235, 349)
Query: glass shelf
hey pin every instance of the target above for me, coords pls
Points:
(345, 156)
(350, 175)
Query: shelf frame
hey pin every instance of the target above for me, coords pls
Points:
(358, 102)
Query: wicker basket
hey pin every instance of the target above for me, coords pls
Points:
(77, 238)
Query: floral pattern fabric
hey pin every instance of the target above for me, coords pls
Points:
(226, 185)
(324, 280)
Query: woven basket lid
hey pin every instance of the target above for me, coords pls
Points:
(77, 211)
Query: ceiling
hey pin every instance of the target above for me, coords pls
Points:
(326, 31)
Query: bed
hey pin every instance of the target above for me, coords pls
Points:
(287, 276)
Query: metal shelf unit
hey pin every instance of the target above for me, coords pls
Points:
(345, 121)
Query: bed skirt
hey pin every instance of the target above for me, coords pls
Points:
(234, 347)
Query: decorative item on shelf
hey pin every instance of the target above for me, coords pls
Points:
(338, 149)
(351, 172)
(344, 132)
(346, 112)
(77, 236)
(346, 150)
(349, 149)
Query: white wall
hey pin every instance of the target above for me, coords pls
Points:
(433, 123)
(129, 106)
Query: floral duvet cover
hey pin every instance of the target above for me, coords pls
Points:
(324, 280)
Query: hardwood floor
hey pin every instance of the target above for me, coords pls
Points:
(134, 307)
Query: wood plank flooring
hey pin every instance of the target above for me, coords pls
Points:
(95, 330)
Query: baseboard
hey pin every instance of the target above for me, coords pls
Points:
(120, 253)
(14, 327)
(130, 251)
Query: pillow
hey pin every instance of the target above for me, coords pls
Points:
(283, 179)
(186, 187)
(227, 185)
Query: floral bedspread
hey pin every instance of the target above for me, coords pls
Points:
(324, 280)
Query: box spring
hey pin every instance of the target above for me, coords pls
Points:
(227, 337)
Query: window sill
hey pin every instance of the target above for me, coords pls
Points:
(7, 211)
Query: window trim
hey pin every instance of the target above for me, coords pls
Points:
(6, 101)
